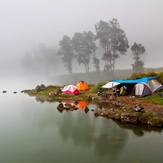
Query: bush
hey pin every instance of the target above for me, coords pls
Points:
(141, 75)
(147, 74)
(160, 79)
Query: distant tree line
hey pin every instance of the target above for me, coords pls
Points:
(110, 37)
(40, 60)
(101, 49)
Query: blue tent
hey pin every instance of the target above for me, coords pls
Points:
(142, 80)
(141, 87)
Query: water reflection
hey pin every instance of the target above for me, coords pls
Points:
(138, 131)
(39, 99)
(69, 105)
(106, 138)
(84, 105)
(83, 136)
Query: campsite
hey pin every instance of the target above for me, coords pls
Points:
(130, 99)
(81, 81)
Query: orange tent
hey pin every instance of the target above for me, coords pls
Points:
(82, 104)
(82, 86)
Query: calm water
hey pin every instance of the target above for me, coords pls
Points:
(35, 132)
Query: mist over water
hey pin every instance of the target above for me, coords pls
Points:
(31, 31)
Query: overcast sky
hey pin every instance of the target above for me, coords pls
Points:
(26, 23)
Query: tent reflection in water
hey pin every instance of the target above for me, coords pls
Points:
(69, 102)
(82, 105)
(82, 86)
(70, 89)
(140, 87)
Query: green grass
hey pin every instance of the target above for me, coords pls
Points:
(154, 99)
(84, 95)
(46, 91)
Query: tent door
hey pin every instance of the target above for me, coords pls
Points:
(139, 88)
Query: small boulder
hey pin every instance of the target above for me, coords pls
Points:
(138, 108)
(86, 110)
(4, 91)
(60, 107)
(75, 108)
(96, 114)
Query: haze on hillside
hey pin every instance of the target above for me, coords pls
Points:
(28, 25)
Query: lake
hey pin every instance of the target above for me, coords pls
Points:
(36, 132)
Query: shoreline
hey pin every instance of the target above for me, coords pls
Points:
(121, 109)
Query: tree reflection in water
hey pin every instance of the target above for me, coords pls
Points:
(103, 135)
(106, 137)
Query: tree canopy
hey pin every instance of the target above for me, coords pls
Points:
(113, 40)
(66, 51)
(84, 46)
(137, 50)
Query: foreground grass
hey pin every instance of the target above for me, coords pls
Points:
(155, 99)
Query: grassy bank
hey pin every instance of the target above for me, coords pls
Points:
(155, 99)
(120, 109)
(50, 92)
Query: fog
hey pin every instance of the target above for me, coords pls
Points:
(25, 24)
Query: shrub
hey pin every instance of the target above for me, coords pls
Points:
(147, 74)
(141, 75)
(160, 79)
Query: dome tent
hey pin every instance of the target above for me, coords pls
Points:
(82, 86)
(141, 89)
(70, 89)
